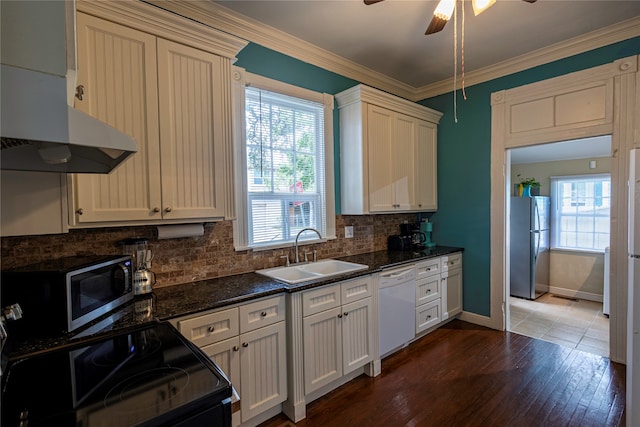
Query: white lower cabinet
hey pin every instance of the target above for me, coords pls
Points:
(451, 285)
(337, 333)
(248, 343)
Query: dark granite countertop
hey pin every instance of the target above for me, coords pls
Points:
(190, 298)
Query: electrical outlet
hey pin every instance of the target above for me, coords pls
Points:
(348, 232)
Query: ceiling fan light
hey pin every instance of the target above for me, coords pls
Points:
(480, 6)
(444, 10)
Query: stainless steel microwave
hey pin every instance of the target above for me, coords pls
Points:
(62, 295)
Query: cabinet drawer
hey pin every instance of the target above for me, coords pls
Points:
(261, 313)
(356, 289)
(428, 268)
(210, 328)
(427, 289)
(428, 315)
(450, 262)
(320, 299)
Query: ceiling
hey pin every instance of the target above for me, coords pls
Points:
(584, 148)
(388, 37)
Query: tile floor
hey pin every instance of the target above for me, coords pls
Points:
(577, 324)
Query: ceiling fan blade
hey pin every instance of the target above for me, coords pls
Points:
(436, 25)
(368, 2)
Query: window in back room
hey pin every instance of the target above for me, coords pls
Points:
(581, 212)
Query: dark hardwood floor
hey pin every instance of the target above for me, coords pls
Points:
(468, 375)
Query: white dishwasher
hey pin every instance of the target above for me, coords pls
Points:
(396, 308)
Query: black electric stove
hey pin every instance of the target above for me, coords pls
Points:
(152, 376)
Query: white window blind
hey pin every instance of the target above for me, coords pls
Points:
(284, 169)
(581, 212)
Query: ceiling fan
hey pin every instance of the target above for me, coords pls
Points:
(444, 10)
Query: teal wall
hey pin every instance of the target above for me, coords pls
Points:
(464, 149)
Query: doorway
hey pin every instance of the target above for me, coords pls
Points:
(567, 275)
(575, 105)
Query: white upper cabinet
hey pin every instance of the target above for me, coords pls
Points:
(388, 153)
(171, 91)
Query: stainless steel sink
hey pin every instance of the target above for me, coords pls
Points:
(312, 271)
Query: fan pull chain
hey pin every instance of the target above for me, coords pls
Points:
(455, 62)
(464, 94)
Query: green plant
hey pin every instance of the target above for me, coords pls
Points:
(531, 182)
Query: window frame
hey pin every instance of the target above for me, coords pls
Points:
(556, 216)
(242, 79)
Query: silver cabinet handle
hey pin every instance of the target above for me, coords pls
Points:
(167, 209)
(156, 209)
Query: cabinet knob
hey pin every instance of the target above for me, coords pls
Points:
(419, 205)
(340, 316)
(167, 209)
(428, 290)
(346, 313)
(263, 314)
(80, 92)
(211, 329)
(236, 348)
(245, 344)
(79, 211)
(156, 209)
(429, 317)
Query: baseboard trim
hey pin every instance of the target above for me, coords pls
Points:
(478, 319)
(570, 293)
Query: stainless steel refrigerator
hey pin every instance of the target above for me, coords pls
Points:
(529, 246)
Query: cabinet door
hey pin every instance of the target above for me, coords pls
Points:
(426, 170)
(193, 158)
(452, 282)
(117, 67)
(403, 162)
(322, 348)
(263, 369)
(357, 334)
(226, 355)
(380, 130)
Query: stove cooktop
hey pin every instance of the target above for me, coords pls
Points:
(152, 377)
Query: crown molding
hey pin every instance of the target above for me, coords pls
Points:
(144, 17)
(231, 22)
(251, 30)
(593, 40)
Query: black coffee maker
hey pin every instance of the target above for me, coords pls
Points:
(418, 238)
(409, 239)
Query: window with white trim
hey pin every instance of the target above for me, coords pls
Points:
(285, 175)
(581, 208)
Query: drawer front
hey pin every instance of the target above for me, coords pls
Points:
(320, 299)
(261, 313)
(453, 261)
(427, 290)
(211, 328)
(356, 289)
(428, 268)
(428, 315)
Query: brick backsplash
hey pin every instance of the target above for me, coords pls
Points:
(184, 260)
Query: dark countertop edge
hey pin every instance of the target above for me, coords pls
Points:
(172, 302)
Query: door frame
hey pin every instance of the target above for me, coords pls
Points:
(608, 99)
